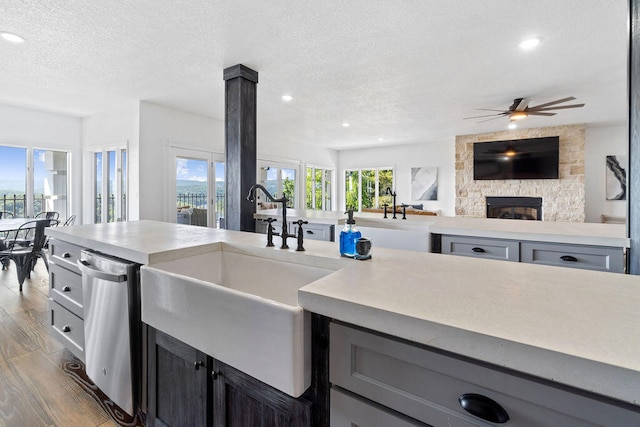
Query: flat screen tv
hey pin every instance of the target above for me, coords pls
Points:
(532, 158)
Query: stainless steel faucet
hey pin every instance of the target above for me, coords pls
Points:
(393, 195)
(285, 231)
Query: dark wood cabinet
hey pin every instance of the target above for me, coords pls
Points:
(240, 400)
(178, 383)
(188, 388)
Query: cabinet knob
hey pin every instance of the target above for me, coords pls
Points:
(216, 374)
(568, 258)
(66, 255)
(66, 288)
(66, 328)
(197, 364)
(477, 250)
(483, 407)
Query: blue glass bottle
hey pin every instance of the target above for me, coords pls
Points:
(348, 237)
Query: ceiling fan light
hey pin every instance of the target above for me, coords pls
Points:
(529, 43)
(518, 115)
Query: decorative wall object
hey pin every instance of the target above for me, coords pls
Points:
(424, 183)
(616, 178)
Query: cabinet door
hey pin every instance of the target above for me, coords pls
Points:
(348, 410)
(240, 400)
(177, 382)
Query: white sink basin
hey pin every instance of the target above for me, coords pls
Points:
(240, 306)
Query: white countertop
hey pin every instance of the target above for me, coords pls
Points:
(596, 234)
(572, 326)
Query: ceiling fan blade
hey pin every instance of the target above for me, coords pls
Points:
(492, 118)
(537, 113)
(485, 115)
(522, 105)
(560, 107)
(557, 101)
(491, 109)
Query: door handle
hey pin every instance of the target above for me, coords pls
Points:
(90, 270)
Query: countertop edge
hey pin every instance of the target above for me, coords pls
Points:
(564, 369)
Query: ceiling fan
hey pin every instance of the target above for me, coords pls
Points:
(520, 109)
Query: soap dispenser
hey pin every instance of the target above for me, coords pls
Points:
(348, 237)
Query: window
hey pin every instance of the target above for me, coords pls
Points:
(278, 179)
(110, 185)
(367, 188)
(33, 181)
(318, 188)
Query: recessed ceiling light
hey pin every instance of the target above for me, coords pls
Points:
(345, 124)
(287, 98)
(512, 125)
(380, 139)
(10, 37)
(529, 43)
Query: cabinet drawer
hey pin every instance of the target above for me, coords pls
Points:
(64, 254)
(316, 231)
(65, 287)
(348, 410)
(67, 328)
(426, 385)
(576, 256)
(502, 249)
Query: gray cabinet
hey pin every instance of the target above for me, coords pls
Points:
(480, 247)
(65, 296)
(588, 257)
(348, 410)
(428, 386)
(576, 256)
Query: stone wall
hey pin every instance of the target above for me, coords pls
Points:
(563, 199)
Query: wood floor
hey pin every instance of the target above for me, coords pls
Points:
(35, 389)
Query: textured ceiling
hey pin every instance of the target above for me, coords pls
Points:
(407, 71)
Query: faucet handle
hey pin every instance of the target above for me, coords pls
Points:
(270, 232)
(300, 222)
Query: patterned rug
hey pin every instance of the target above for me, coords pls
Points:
(75, 369)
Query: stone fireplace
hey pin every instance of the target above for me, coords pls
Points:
(563, 199)
(527, 208)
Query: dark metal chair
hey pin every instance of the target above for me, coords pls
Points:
(70, 221)
(26, 258)
(5, 215)
(48, 215)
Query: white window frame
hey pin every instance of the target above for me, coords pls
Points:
(104, 208)
(313, 188)
(283, 164)
(376, 192)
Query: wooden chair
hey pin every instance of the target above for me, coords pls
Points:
(26, 258)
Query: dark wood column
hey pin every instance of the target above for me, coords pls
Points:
(240, 145)
(633, 187)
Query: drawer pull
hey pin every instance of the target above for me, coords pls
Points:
(569, 258)
(66, 255)
(310, 232)
(66, 328)
(66, 288)
(483, 407)
(477, 250)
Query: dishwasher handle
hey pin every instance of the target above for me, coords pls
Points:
(90, 270)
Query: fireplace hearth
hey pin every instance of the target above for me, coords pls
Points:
(525, 208)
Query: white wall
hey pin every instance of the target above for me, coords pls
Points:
(403, 158)
(599, 143)
(161, 127)
(116, 127)
(41, 130)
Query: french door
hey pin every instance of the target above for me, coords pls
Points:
(196, 188)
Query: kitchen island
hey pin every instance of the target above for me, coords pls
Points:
(569, 328)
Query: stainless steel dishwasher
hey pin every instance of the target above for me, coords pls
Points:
(110, 289)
